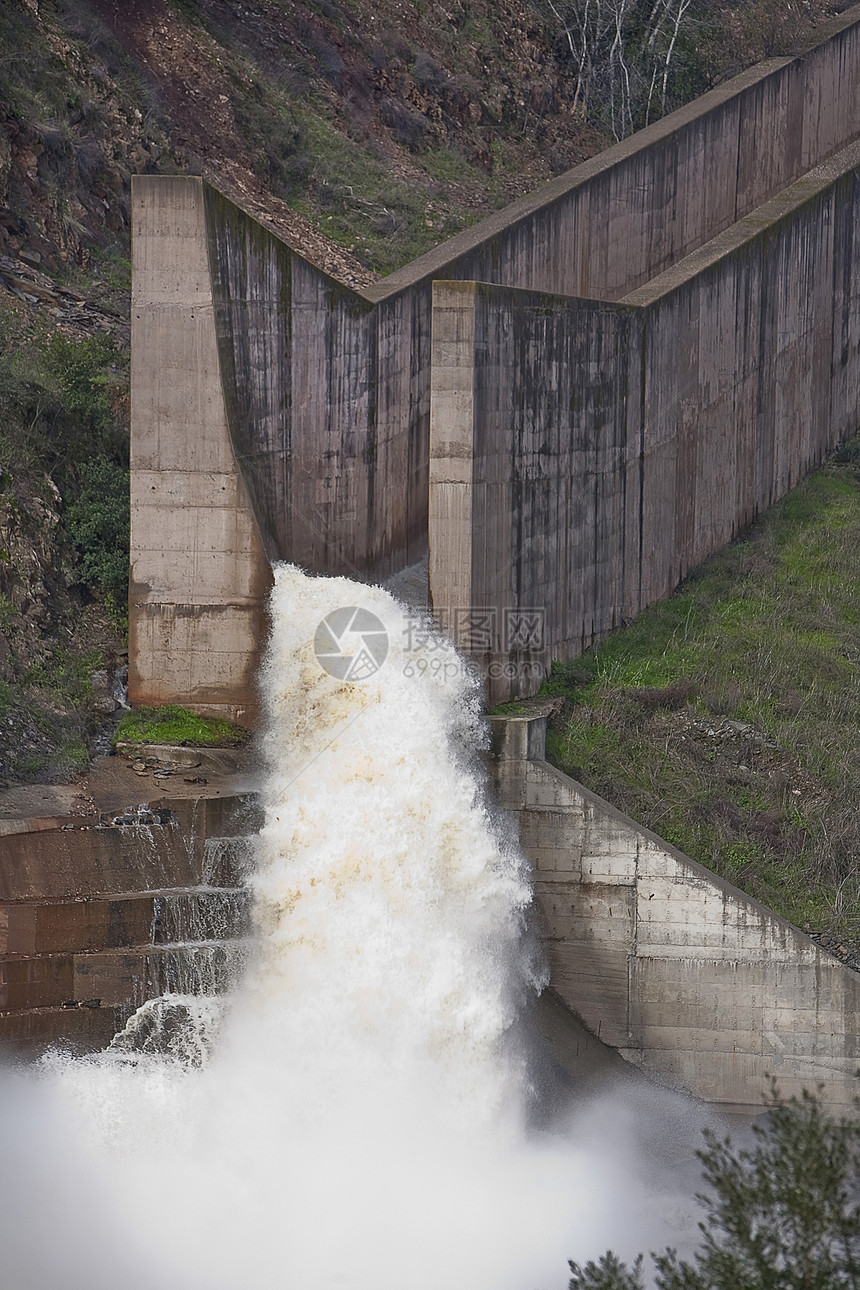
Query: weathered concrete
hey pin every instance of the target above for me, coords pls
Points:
(82, 1029)
(78, 861)
(95, 917)
(199, 575)
(586, 455)
(142, 918)
(683, 974)
(322, 394)
(624, 216)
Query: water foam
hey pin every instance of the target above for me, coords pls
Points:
(363, 1119)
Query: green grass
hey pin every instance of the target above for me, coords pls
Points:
(765, 635)
(175, 725)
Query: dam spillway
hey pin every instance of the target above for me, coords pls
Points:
(276, 414)
(570, 405)
(371, 1075)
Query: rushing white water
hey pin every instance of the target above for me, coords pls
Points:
(364, 1119)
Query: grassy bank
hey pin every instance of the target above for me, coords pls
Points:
(726, 718)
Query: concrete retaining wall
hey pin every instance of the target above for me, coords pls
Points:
(243, 352)
(684, 975)
(617, 220)
(586, 455)
(96, 917)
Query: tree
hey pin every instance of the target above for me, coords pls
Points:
(608, 1273)
(782, 1215)
(622, 52)
(634, 60)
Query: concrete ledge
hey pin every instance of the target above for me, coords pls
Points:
(225, 761)
(79, 1029)
(129, 977)
(763, 219)
(39, 928)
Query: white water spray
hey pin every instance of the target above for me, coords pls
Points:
(363, 1121)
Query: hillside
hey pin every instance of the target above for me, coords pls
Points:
(364, 132)
(726, 718)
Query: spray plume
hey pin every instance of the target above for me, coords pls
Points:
(364, 1117)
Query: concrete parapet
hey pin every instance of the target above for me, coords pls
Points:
(687, 977)
(585, 456)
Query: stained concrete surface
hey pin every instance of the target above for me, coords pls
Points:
(278, 413)
(118, 888)
(682, 974)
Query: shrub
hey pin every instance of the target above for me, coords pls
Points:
(98, 524)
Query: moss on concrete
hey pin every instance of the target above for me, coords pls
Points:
(175, 725)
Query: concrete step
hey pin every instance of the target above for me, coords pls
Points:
(40, 982)
(233, 815)
(30, 1032)
(130, 977)
(136, 919)
(82, 860)
(119, 976)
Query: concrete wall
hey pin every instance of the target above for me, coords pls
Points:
(610, 224)
(318, 388)
(684, 975)
(199, 574)
(586, 455)
(242, 352)
(96, 917)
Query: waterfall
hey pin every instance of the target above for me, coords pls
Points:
(391, 911)
(365, 1116)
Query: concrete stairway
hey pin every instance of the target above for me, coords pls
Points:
(99, 914)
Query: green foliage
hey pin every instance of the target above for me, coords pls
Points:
(64, 674)
(117, 611)
(725, 717)
(175, 725)
(349, 192)
(57, 403)
(98, 524)
(781, 1215)
(49, 717)
(608, 1273)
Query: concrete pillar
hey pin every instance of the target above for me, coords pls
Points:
(452, 454)
(199, 575)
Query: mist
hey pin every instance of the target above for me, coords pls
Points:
(373, 1112)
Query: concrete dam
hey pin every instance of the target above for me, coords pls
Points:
(569, 405)
(562, 410)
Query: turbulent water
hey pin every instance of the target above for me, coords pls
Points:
(363, 1114)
